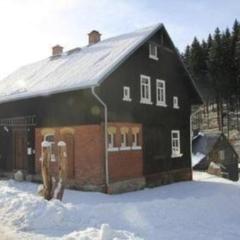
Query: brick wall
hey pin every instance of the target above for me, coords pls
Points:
(89, 159)
(88, 153)
(125, 164)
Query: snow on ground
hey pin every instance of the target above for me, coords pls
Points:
(207, 208)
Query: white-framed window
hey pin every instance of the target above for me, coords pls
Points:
(126, 94)
(153, 51)
(221, 155)
(51, 139)
(161, 93)
(176, 144)
(175, 102)
(136, 139)
(112, 139)
(145, 89)
(124, 139)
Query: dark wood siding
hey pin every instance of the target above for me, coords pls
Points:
(20, 149)
(65, 109)
(70, 108)
(157, 121)
(6, 147)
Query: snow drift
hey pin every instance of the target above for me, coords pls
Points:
(205, 209)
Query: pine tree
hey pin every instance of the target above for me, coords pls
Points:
(215, 65)
(186, 56)
(216, 60)
(234, 40)
(229, 80)
(197, 63)
(209, 41)
(237, 58)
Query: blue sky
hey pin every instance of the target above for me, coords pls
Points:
(30, 28)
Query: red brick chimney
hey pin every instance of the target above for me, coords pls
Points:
(94, 37)
(57, 50)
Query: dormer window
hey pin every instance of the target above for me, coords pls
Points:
(175, 102)
(153, 51)
(126, 94)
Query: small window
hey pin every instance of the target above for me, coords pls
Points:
(124, 139)
(145, 89)
(135, 139)
(176, 152)
(153, 51)
(175, 102)
(221, 155)
(112, 139)
(126, 94)
(161, 93)
(49, 138)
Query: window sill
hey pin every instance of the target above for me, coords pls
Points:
(127, 99)
(162, 104)
(146, 102)
(137, 148)
(153, 57)
(115, 149)
(176, 107)
(176, 155)
(124, 148)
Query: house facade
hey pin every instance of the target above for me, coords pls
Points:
(122, 105)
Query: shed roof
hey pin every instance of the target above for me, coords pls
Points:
(204, 143)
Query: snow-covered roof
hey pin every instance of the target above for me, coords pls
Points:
(196, 158)
(204, 143)
(80, 69)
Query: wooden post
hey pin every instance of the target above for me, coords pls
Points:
(62, 153)
(45, 167)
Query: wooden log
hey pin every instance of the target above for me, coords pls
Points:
(45, 168)
(62, 153)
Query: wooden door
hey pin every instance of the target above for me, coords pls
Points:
(20, 148)
(154, 149)
(68, 138)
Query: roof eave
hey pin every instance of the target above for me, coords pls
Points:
(45, 94)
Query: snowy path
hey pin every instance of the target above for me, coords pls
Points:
(208, 208)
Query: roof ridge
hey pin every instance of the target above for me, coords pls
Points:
(84, 69)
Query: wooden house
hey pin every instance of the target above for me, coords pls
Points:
(215, 154)
(122, 105)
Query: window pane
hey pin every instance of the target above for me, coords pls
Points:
(122, 138)
(110, 143)
(49, 138)
(174, 135)
(137, 140)
(126, 139)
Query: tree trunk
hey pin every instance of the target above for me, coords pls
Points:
(62, 153)
(46, 176)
